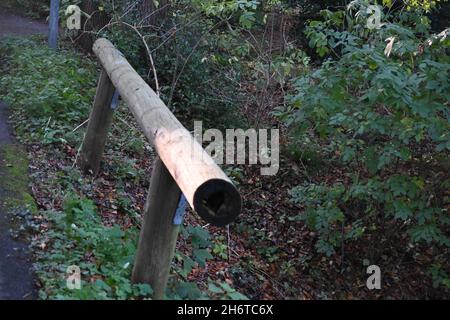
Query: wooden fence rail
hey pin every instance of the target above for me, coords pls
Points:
(183, 167)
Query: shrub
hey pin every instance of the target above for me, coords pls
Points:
(382, 116)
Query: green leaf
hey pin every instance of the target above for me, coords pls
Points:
(214, 289)
(201, 256)
(237, 296)
(247, 19)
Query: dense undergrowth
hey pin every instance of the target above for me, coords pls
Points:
(379, 108)
(71, 231)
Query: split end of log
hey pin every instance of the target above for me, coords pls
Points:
(217, 201)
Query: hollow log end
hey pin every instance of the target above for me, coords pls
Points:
(217, 201)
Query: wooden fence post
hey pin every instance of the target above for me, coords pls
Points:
(53, 24)
(158, 232)
(98, 126)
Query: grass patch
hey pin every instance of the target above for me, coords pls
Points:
(15, 179)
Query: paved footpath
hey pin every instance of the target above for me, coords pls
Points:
(11, 24)
(16, 278)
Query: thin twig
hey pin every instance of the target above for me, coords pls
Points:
(152, 64)
(80, 125)
(228, 240)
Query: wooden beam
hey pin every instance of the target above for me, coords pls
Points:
(98, 126)
(158, 233)
(207, 189)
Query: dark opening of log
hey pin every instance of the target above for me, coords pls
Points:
(217, 201)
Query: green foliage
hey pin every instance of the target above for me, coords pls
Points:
(200, 240)
(244, 9)
(439, 276)
(194, 84)
(383, 114)
(322, 213)
(50, 91)
(220, 248)
(104, 254)
(127, 169)
(226, 291)
(426, 5)
(48, 111)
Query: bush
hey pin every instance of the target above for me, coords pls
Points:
(382, 115)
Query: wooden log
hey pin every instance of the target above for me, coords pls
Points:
(53, 24)
(158, 233)
(206, 187)
(98, 126)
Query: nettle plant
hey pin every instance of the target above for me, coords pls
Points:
(380, 111)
